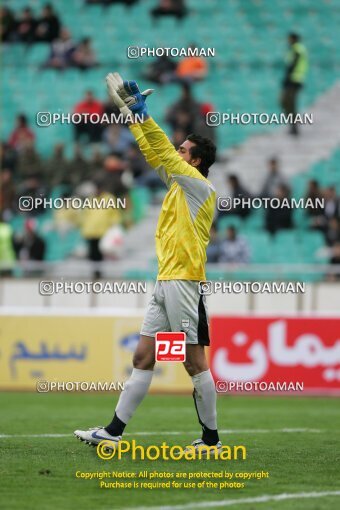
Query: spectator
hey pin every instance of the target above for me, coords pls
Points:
(91, 130)
(22, 136)
(62, 50)
(33, 187)
(214, 247)
(278, 218)
(116, 177)
(9, 156)
(96, 162)
(335, 260)
(142, 174)
(170, 8)
(26, 26)
(56, 167)
(83, 56)
(237, 191)
(29, 245)
(273, 179)
(161, 71)
(234, 249)
(201, 126)
(78, 168)
(315, 211)
(118, 138)
(332, 231)
(105, 3)
(110, 108)
(185, 122)
(191, 68)
(295, 73)
(178, 136)
(48, 25)
(29, 162)
(7, 254)
(7, 194)
(136, 163)
(332, 204)
(185, 113)
(118, 180)
(96, 222)
(7, 24)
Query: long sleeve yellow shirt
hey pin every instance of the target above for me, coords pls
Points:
(187, 212)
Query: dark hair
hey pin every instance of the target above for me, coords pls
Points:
(233, 179)
(232, 230)
(22, 119)
(294, 36)
(284, 188)
(204, 149)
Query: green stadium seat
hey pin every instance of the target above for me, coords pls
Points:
(140, 198)
(230, 220)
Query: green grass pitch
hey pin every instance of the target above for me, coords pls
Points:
(39, 472)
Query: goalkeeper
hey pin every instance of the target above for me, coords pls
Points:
(181, 239)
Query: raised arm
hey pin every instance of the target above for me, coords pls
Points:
(166, 152)
(131, 102)
(150, 156)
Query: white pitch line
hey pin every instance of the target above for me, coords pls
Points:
(231, 502)
(9, 436)
(177, 433)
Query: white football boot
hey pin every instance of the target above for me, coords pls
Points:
(95, 435)
(202, 449)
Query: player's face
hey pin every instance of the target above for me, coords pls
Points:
(184, 152)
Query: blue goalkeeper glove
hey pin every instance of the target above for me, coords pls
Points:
(136, 100)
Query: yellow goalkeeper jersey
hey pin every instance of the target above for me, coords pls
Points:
(187, 211)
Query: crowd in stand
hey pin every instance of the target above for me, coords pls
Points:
(116, 162)
(322, 210)
(112, 146)
(163, 8)
(26, 27)
(278, 217)
(106, 159)
(232, 248)
(46, 27)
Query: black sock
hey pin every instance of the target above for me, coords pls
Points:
(116, 427)
(209, 436)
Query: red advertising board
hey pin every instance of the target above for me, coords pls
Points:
(277, 349)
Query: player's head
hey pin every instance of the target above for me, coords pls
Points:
(199, 152)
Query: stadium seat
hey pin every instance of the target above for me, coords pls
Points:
(230, 220)
(140, 198)
(243, 50)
